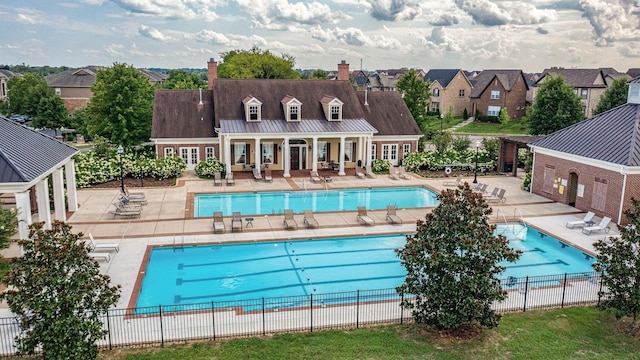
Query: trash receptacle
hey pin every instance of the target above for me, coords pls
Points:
(508, 166)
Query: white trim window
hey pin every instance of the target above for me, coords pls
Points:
(294, 112)
(493, 111)
(335, 112)
(322, 151)
(495, 94)
(435, 106)
(240, 153)
(461, 93)
(169, 152)
(348, 150)
(373, 151)
(267, 153)
(253, 113)
(406, 148)
(436, 92)
(584, 93)
(209, 152)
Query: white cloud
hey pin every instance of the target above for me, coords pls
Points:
(27, 19)
(152, 33)
(280, 14)
(612, 20)
(494, 13)
(356, 37)
(394, 10)
(172, 9)
(116, 50)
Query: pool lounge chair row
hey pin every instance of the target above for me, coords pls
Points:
(101, 251)
(588, 225)
(398, 173)
(217, 179)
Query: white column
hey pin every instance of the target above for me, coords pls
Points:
(314, 155)
(367, 160)
(23, 204)
(42, 198)
(341, 158)
(226, 142)
(70, 176)
(58, 195)
(258, 153)
(361, 146)
(286, 157)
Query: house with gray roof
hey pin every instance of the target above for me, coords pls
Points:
(5, 75)
(283, 124)
(450, 88)
(27, 159)
(494, 90)
(593, 165)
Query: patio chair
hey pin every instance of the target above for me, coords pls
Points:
(394, 174)
(315, 178)
(499, 197)
(106, 247)
(125, 210)
(218, 223)
(257, 175)
(128, 200)
(289, 222)
(137, 194)
(100, 256)
(267, 175)
(587, 220)
(494, 193)
(456, 182)
(403, 173)
(603, 226)
(359, 174)
(217, 179)
(481, 188)
(236, 221)
(363, 217)
(368, 173)
(392, 217)
(310, 220)
(230, 180)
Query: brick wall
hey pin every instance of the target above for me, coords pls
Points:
(514, 100)
(451, 97)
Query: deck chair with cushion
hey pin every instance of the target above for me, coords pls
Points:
(359, 174)
(310, 220)
(587, 220)
(392, 217)
(603, 226)
(135, 194)
(100, 256)
(217, 179)
(363, 217)
(403, 173)
(289, 222)
(102, 246)
(236, 221)
(218, 223)
(230, 179)
(267, 175)
(499, 197)
(130, 200)
(368, 173)
(257, 175)
(315, 178)
(456, 182)
(126, 210)
(481, 188)
(394, 173)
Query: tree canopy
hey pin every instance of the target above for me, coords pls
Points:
(415, 92)
(555, 107)
(256, 64)
(122, 105)
(618, 261)
(58, 295)
(8, 226)
(614, 96)
(181, 79)
(452, 264)
(25, 93)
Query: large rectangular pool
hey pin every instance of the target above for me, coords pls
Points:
(205, 273)
(264, 203)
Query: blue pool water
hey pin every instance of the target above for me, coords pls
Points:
(204, 273)
(264, 203)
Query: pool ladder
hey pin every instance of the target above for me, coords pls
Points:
(176, 245)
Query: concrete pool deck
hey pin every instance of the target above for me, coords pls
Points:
(167, 219)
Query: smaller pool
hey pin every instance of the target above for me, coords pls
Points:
(265, 203)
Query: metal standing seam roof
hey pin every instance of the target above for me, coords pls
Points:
(613, 136)
(241, 126)
(26, 154)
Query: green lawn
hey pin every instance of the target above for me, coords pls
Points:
(516, 127)
(434, 123)
(576, 333)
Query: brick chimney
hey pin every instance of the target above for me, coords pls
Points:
(212, 72)
(343, 70)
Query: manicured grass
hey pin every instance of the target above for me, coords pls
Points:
(434, 123)
(576, 333)
(516, 127)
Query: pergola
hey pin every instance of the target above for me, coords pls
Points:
(508, 152)
(27, 159)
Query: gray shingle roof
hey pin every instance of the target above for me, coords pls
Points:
(506, 77)
(442, 76)
(82, 78)
(241, 126)
(635, 80)
(613, 136)
(25, 154)
(577, 78)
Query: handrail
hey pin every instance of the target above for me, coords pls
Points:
(516, 210)
(506, 224)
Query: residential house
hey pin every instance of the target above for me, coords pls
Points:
(494, 90)
(450, 88)
(283, 124)
(589, 84)
(593, 165)
(633, 72)
(5, 75)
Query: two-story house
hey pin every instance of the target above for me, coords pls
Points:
(450, 88)
(5, 75)
(494, 90)
(283, 124)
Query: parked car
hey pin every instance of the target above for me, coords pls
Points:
(21, 119)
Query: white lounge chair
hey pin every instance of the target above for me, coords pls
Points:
(236, 221)
(102, 246)
(587, 220)
(100, 256)
(603, 226)
(218, 222)
(289, 222)
(267, 176)
(310, 220)
(230, 180)
(403, 173)
(217, 179)
(368, 173)
(456, 182)
(257, 175)
(499, 197)
(392, 217)
(315, 178)
(126, 210)
(359, 174)
(363, 217)
(394, 173)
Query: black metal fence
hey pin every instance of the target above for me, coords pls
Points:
(224, 319)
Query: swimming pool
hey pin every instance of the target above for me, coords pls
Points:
(204, 273)
(264, 203)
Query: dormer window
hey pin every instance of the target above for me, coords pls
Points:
(252, 109)
(335, 112)
(332, 107)
(292, 108)
(293, 112)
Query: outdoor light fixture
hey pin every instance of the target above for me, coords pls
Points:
(475, 171)
(120, 151)
(441, 118)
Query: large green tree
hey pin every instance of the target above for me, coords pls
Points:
(25, 93)
(619, 262)
(122, 105)
(8, 226)
(58, 295)
(181, 79)
(614, 96)
(555, 107)
(452, 264)
(415, 92)
(51, 113)
(256, 64)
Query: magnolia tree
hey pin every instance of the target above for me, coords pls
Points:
(452, 264)
(58, 295)
(619, 261)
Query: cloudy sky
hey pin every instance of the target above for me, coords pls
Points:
(380, 34)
